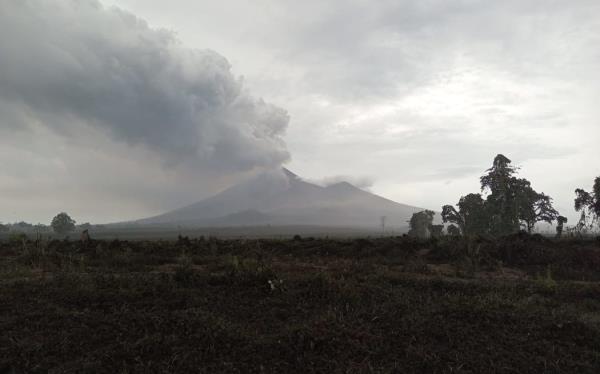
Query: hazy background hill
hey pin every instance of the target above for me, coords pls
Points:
(283, 198)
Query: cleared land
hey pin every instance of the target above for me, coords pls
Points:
(519, 304)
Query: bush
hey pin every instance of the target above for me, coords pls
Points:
(249, 270)
(184, 273)
(17, 237)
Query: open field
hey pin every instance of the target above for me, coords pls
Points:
(164, 232)
(519, 304)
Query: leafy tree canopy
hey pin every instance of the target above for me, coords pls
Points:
(510, 203)
(471, 216)
(420, 224)
(63, 224)
(588, 203)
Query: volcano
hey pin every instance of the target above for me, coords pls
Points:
(283, 198)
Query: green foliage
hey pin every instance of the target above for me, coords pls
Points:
(502, 204)
(250, 270)
(546, 281)
(420, 224)
(62, 224)
(184, 272)
(510, 203)
(17, 237)
(588, 203)
(532, 206)
(33, 255)
(471, 217)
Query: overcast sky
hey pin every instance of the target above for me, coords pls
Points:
(114, 114)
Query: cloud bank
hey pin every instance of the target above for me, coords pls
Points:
(69, 65)
(419, 95)
(362, 182)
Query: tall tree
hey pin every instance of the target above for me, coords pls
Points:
(453, 230)
(501, 200)
(588, 203)
(532, 206)
(510, 203)
(420, 224)
(471, 216)
(436, 231)
(560, 225)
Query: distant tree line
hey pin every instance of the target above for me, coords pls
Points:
(509, 205)
(61, 225)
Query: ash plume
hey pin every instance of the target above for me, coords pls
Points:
(70, 64)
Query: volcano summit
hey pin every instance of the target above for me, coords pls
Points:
(283, 198)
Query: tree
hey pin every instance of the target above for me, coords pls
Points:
(588, 203)
(62, 224)
(4, 228)
(85, 226)
(23, 226)
(533, 207)
(420, 224)
(436, 231)
(560, 225)
(501, 201)
(471, 216)
(453, 230)
(510, 203)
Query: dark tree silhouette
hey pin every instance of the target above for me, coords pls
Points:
(453, 230)
(85, 226)
(436, 231)
(533, 207)
(501, 201)
(62, 224)
(420, 224)
(510, 204)
(560, 225)
(588, 203)
(471, 216)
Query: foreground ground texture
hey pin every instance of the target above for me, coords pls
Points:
(521, 304)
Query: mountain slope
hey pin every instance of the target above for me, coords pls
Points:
(283, 198)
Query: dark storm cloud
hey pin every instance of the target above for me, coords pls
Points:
(71, 63)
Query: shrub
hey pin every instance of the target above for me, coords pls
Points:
(184, 273)
(17, 237)
(249, 270)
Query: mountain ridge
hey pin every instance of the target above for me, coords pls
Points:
(284, 198)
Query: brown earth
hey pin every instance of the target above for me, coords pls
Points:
(392, 305)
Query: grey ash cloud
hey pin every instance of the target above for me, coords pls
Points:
(67, 64)
(362, 182)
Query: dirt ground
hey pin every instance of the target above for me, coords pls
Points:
(394, 305)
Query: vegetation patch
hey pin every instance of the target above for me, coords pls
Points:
(516, 304)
